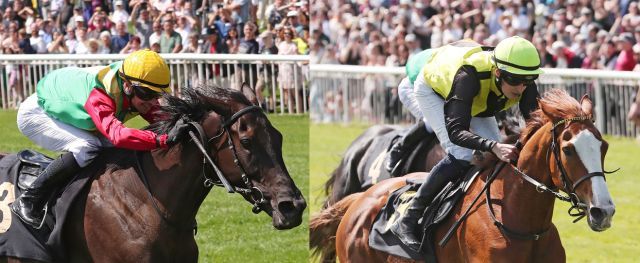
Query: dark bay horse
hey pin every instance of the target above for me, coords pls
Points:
(357, 169)
(562, 150)
(355, 173)
(141, 206)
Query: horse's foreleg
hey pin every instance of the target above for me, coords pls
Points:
(550, 249)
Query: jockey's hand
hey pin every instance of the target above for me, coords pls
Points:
(179, 131)
(505, 152)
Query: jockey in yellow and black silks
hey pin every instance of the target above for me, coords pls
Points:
(457, 90)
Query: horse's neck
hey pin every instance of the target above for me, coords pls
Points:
(176, 181)
(525, 209)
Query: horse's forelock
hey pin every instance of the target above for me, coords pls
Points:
(559, 104)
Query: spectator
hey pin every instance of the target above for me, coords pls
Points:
(135, 44)
(70, 40)
(286, 72)
(591, 60)
(232, 41)
(105, 43)
(183, 27)
(608, 55)
(119, 14)
(36, 42)
(212, 43)
(120, 39)
(93, 46)
(192, 44)
(224, 24)
(24, 42)
(156, 34)
(626, 60)
(81, 35)
(142, 26)
(170, 41)
(57, 46)
(239, 12)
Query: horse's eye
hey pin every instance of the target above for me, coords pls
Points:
(568, 151)
(246, 143)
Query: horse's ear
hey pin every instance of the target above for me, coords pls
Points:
(587, 105)
(249, 93)
(548, 111)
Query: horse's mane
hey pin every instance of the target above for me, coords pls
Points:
(194, 105)
(559, 103)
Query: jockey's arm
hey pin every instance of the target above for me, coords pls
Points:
(102, 110)
(457, 111)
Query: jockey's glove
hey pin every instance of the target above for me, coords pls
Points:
(178, 132)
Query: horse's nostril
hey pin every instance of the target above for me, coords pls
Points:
(596, 214)
(286, 208)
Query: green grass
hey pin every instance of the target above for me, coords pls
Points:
(227, 229)
(620, 243)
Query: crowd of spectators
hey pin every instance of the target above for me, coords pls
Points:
(599, 34)
(165, 26)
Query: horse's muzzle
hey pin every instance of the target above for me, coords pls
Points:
(288, 212)
(600, 217)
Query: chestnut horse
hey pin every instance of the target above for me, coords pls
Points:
(562, 150)
(141, 206)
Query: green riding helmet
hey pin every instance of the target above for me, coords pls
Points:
(517, 56)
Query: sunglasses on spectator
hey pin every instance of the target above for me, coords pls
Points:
(516, 80)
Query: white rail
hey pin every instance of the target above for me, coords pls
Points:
(342, 93)
(19, 75)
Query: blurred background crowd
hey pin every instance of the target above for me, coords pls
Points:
(600, 34)
(165, 26)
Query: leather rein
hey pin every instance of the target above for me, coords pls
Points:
(248, 190)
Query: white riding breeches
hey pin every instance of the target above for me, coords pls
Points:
(432, 107)
(57, 136)
(406, 95)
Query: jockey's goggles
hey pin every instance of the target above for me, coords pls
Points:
(516, 80)
(144, 93)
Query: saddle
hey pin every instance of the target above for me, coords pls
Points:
(381, 238)
(32, 163)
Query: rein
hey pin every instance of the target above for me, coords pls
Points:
(249, 191)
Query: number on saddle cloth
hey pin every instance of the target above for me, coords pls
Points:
(32, 163)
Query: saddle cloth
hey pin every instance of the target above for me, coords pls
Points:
(381, 238)
(17, 172)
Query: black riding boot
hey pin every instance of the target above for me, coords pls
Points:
(448, 169)
(29, 207)
(399, 149)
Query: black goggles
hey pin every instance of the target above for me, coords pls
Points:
(516, 80)
(144, 93)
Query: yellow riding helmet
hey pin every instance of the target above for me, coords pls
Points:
(147, 69)
(517, 56)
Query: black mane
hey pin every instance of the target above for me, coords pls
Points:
(195, 103)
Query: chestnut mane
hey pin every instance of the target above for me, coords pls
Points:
(559, 104)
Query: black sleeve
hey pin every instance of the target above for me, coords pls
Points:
(457, 111)
(529, 101)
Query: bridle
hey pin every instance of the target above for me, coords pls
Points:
(577, 208)
(248, 191)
